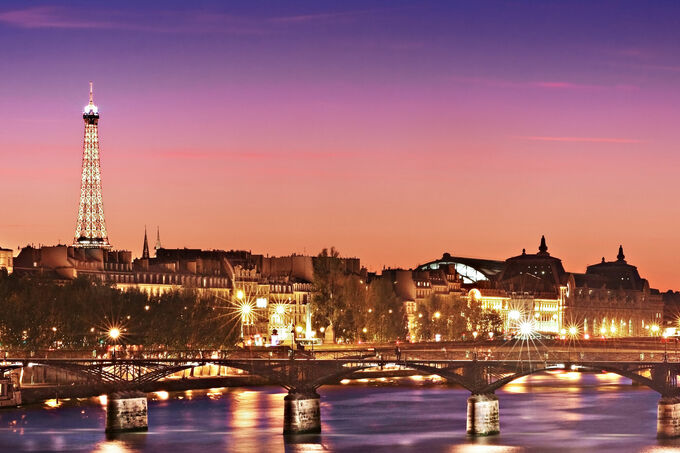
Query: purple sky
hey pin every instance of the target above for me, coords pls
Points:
(392, 130)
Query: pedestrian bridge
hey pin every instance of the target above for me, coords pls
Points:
(302, 376)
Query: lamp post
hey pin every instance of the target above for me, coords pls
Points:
(114, 333)
(244, 310)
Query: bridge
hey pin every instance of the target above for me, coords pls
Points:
(302, 375)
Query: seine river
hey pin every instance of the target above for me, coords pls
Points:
(551, 413)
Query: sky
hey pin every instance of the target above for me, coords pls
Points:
(394, 131)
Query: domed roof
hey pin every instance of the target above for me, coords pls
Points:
(534, 271)
(618, 274)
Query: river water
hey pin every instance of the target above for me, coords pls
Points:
(548, 412)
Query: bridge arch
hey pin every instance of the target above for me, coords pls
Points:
(630, 374)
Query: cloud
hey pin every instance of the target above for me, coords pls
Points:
(44, 17)
(252, 155)
(321, 17)
(542, 84)
(161, 22)
(56, 17)
(579, 139)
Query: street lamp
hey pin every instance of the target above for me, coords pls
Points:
(527, 329)
(114, 333)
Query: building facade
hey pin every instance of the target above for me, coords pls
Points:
(6, 260)
(610, 299)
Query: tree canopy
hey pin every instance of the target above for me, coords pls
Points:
(40, 313)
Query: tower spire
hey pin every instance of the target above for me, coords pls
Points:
(91, 226)
(543, 248)
(158, 245)
(145, 249)
(621, 256)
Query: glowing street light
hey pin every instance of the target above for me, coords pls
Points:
(437, 315)
(240, 294)
(114, 333)
(527, 329)
(573, 331)
(514, 315)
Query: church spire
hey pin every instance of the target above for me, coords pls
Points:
(621, 256)
(158, 245)
(543, 248)
(145, 250)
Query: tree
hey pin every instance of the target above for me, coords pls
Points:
(490, 322)
(453, 318)
(330, 303)
(386, 317)
(41, 313)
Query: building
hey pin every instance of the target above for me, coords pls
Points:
(609, 299)
(6, 260)
(612, 299)
(412, 287)
(271, 304)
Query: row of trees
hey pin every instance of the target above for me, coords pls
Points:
(39, 313)
(454, 318)
(356, 310)
(372, 311)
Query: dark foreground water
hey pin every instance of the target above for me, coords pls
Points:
(557, 412)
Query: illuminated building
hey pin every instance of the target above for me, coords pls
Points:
(91, 226)
(6, 260)
(612, 299)
(289, 309)
(275, 300)
(472, 271)
(412, 287)
(609, 299)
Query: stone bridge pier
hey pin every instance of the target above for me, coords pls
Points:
(302, 412)
(126, 411)
(483, 415)
(668, 417)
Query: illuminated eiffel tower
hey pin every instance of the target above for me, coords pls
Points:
(91, 227)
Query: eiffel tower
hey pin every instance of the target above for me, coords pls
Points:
(91, 227)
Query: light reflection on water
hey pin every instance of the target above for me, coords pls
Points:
(555, 411)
